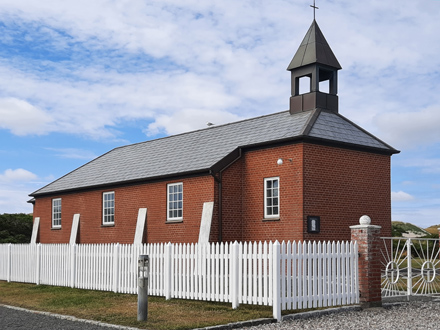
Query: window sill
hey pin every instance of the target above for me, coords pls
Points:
(174, 221)
(107, 225)
(271, 219)
(55, 228)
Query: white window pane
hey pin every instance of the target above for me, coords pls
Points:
(108, 205)
(175, 200)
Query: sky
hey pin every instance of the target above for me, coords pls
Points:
(79, 78)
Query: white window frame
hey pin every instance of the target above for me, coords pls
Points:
(56, 213)
(175, 201)
(108, 218)
(270, 194)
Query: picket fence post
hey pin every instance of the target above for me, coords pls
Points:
(167, 271)
(38, 270)
(8, 274)
(116, 267)
(72, 265)
(276, 282)
(235, 260)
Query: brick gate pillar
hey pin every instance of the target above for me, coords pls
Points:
(368, 239)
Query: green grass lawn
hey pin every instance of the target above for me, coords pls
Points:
(121, 309)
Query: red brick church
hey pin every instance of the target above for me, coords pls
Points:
(307, 173)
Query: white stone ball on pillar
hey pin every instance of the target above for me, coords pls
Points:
(365, 220)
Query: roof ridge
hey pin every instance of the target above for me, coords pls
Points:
(311, 121)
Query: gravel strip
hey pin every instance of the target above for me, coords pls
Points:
(413, 315)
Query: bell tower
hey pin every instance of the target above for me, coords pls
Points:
(314, 59)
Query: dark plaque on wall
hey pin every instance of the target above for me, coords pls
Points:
(313, 224)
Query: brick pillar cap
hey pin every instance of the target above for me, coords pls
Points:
(365, 222)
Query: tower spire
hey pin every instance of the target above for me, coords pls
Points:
(314, 59)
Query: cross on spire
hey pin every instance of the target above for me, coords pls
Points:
(314, 9)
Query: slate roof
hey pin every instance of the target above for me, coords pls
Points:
(314, 49)
(203, 150)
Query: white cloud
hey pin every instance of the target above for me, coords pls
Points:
(73, 153)
(423, 217)
(410, 129)
(427, 165)
(17, 175)
(14, 190)
(14, 200)
(401, 196)
(22, 118)
(187, 119)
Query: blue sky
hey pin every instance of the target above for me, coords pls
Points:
(79, 78)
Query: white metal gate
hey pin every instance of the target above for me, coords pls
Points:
(410, 266)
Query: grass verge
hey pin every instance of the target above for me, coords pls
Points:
(116, 308)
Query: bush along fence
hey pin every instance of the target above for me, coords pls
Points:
(292, 275)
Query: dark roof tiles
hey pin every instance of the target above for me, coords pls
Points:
(201, 150)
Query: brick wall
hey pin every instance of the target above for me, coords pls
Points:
(128, 200)
(340, 185)
(243, 217)
(232, 202)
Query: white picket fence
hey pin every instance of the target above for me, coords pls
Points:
(292, 275)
